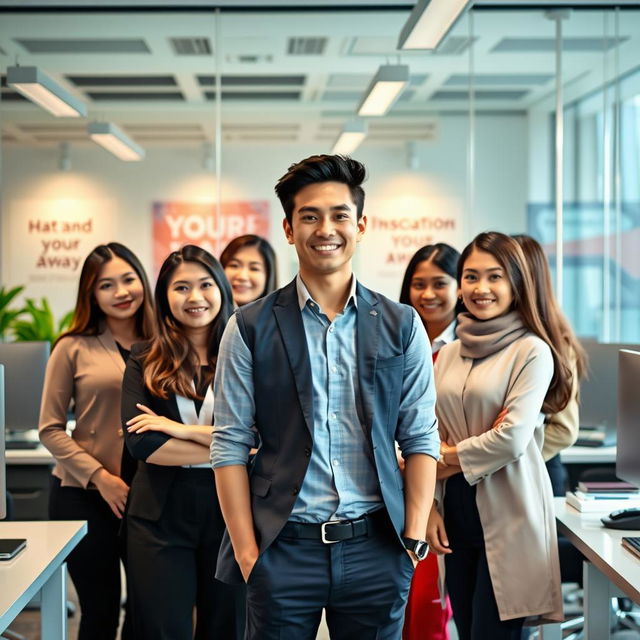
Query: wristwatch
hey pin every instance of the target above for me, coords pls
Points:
(420, 548)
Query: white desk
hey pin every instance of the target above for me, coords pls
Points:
(36, 456)
(588, 455)
(610, 566)
(39, 567)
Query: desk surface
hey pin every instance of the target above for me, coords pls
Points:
(39, 455)
(588, 455)
(601, 546)
(48, 544)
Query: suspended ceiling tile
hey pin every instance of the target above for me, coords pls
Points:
(548, 45)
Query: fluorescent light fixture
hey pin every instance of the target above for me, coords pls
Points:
(429, 23)
(384, 89)
(114, 140)
(35, 85)
(351, 136)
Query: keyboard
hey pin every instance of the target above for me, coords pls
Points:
(632, 544)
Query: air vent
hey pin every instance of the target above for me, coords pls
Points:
(80, 45)
(261, 128)
(547, 45)
(253, 81)
(496, 79)
(260, 138)
(249, 58)
(135, 95)
(306, 46)
(478, 95)
(191, 46)
(123, 81)
(454, 46)
(254, 95)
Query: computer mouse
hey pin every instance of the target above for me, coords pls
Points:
(623, 519)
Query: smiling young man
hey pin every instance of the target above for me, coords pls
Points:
(330, 375)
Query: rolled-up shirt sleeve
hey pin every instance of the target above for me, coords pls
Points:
(417, 430)
(234, 406)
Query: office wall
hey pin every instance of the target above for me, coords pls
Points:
(118, 198)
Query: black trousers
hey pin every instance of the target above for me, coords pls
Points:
(94, 565)
(475, 610)
(362, 584)
(171, 567)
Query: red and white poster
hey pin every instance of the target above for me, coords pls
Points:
(178, 223)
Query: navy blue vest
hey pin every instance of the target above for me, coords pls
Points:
(273, 330)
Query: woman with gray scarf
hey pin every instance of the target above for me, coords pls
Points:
(493, 517)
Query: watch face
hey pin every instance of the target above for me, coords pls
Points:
(421, 550)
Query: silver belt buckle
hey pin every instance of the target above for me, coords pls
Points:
(323, 531)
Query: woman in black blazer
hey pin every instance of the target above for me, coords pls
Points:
(174, 524)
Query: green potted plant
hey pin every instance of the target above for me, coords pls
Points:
(41, 325)
(7, 315)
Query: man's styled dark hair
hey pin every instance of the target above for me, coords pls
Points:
(322, 168)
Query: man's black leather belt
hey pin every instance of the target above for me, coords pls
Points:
(336, 530)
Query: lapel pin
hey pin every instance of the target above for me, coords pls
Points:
(373, 313)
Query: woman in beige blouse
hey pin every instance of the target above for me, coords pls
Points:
(494, 520)
(113, 310)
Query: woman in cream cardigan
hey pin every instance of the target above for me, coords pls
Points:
(113, 310)
(494, 520)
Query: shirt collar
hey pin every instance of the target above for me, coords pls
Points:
(304, 296)
(447, 336)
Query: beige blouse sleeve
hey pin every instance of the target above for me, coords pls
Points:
(56, 396)
(561, 429)
(492, 450)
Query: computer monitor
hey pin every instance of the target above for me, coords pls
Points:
(628, 451)
(599, 391)
(3, 477)
(24, 367)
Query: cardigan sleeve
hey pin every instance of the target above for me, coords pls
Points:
(492, 450)
(134, 391)
(561, 429)
(52, 427)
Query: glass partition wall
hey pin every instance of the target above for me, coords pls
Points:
(222, 103)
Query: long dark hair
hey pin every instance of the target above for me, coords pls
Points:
(87, 316)
(443, 256)
(265, 250)
(548, 305)
(170, 361)
(511, 257)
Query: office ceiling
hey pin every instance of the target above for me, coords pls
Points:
(294, 76)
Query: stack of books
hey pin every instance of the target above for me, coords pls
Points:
(595, 497)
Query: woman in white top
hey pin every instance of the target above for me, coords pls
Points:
(493, 517)
(174, 523)
(430, 287)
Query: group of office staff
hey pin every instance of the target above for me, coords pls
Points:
(137, 372)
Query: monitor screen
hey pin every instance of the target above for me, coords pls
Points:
(3, 478)
(24, 367)
(599, 391)
(628, 452)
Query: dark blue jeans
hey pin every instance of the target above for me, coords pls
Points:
(362, 583)
(475, 610)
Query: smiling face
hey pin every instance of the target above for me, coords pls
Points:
(433, 294)
(247, 274)
(486, 290)
(118, 291)
(324, 229)
(193, 296)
